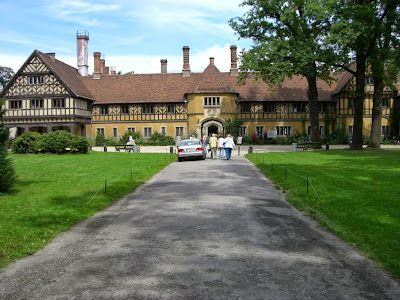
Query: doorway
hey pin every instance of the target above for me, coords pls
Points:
(212, 129)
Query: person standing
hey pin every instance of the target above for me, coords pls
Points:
(221, 141)
(213, 146)
(229, 146)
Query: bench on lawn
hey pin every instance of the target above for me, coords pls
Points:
(124, 147)
(308, 145)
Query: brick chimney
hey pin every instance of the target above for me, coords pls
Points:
(234, 67)
(186, 66)
(102, 66)
(211, 60)
(113, 71)
(96, 70)
(82, 37)
(163, 66)
(107, 71)
(52, 55)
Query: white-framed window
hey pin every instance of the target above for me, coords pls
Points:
(133, 129)
(32, 80)
(58, 103)
(179, 131)
(100, 130)
(147, 131)
(103, 110)
(124, 109)
(148, 108)
(386, 102)
(351, 130)
(163, 130)
(36, 103)
(15, 104)
(115, 132)
(260, 130)
(243, 130)
(283, 130)
(385, 130)
(321, 130)
(212, 101)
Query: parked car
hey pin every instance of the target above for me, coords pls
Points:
(192, 148)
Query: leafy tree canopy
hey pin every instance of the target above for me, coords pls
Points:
(5, 75)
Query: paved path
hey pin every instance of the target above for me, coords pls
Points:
(198, 230)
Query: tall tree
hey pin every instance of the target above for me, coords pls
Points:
(385, 64)
(5, 76)
(289, 39)
(358, 24)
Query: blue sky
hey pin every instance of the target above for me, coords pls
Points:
(133, 35)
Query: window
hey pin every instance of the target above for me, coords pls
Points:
(259, 130)
(386, 102)
(147, 131)
(321, 107)
(15, 104)
(385, 130)
(89, 105)
(299, 107)
(212, 101)
(37, 103)
(369, 80)
(269, 107)
(125, 109)
(163, 130)
(104, 110)
(133, 129)
(171, 108)
(32, 80)
(179, 131)
(100, 130)
(115, 132)
(246, 107)
(350, 130)
(58, 103)
(283, 130)
(147, 109)
(321, 130)
(350, 103)
(243, 131)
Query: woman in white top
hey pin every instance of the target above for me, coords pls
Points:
(221, 142)
(229, 146)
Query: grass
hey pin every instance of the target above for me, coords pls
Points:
(54, 192)
(354, 194)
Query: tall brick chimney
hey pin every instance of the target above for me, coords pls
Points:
(211, 60)
(186, 65)
(163, 65)
(234, 67)
(102, 66)
(97, 65)
(82, 37)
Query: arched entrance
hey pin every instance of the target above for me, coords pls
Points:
(212, 126)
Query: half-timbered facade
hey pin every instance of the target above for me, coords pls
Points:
(47, 95)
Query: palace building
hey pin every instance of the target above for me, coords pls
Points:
(47, 95)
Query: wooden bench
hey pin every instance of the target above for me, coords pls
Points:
(128, 148)
(308, 145)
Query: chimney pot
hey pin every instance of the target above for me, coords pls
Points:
(163, 66)
(97, 64)
(186, 66)
(234, 68)
(82, 37)
(211, 60)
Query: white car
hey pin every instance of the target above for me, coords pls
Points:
(192, 148)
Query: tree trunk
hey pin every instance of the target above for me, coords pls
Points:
(357, 140)
(312, 95)
(375, 137)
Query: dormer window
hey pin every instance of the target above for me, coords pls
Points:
(212, 101)
(33, 80)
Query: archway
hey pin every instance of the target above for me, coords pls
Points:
(211, 126)
(212, 129)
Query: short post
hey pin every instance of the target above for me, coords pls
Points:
(307, 184)
(327, 146)
(171, 149)
(250, 149)
(238, 150)
(105, 148)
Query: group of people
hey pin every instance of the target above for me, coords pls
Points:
(223, 145)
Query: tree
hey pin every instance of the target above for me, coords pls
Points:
(357, 26)
(7, 173)
(233, 126)
(289, 39)
(5, 75)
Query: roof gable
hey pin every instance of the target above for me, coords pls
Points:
(212, 80)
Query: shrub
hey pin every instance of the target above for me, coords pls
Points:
(79, 144)
(160, 139)
(7, 173)
(56, 141)
(100, 139)
(135, 135)
(28, 142)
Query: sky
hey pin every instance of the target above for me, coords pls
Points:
(132, 35)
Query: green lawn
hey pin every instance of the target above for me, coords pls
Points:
(357, 195)
(54, 192)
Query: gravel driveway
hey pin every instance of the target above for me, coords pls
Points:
(198, 230)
